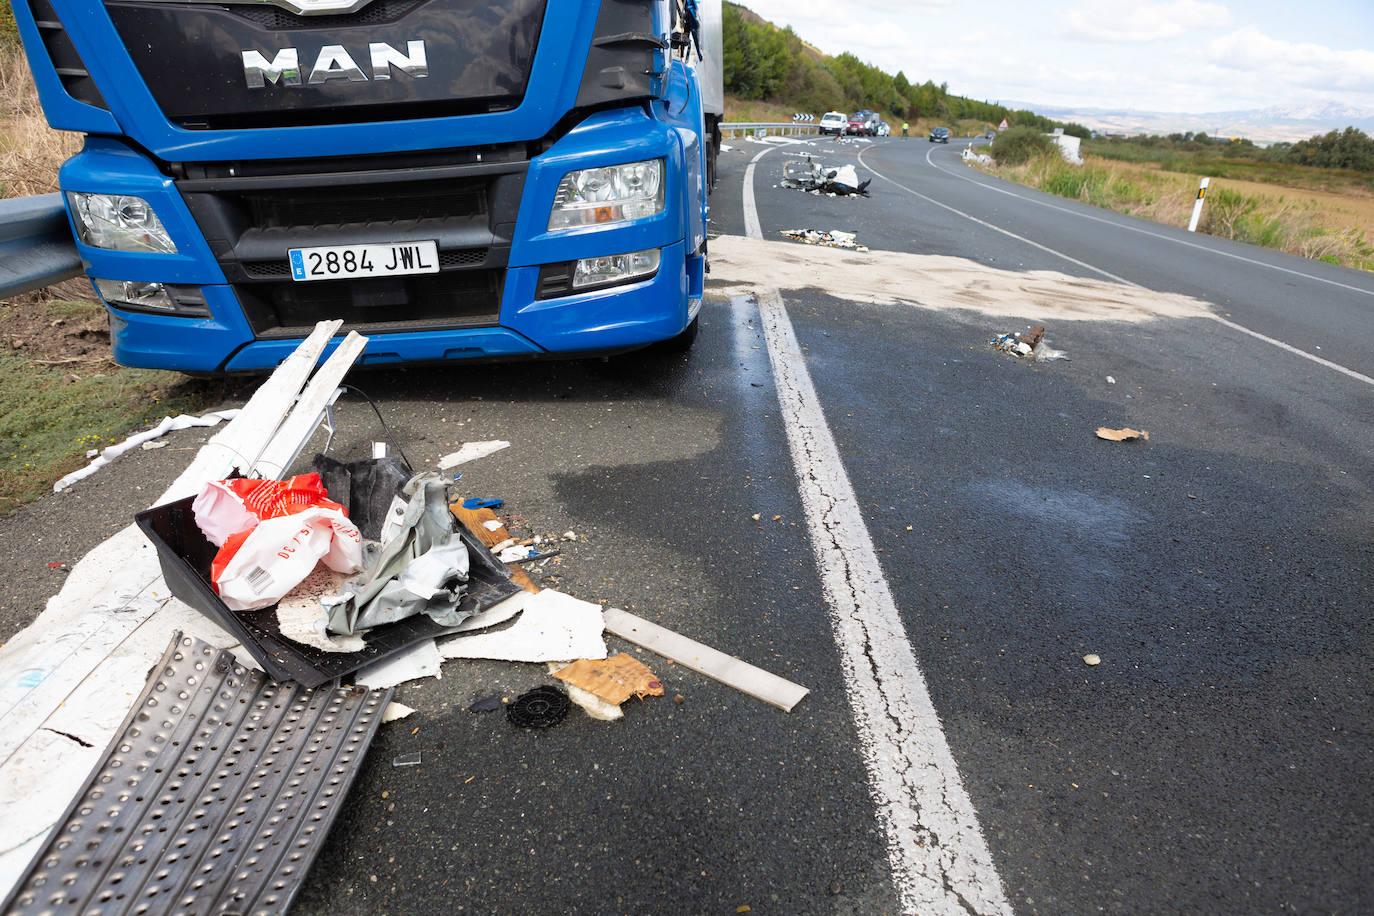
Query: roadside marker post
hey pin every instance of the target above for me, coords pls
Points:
(1197, 205)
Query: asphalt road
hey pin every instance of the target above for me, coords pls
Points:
(1217, 759)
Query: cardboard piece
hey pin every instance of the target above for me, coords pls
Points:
(613, 679)
(1122, 435)
(480, 523)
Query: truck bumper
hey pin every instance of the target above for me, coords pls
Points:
(616, 318)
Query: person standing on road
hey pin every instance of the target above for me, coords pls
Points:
(905, 126)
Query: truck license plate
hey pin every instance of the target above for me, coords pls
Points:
(338, 262)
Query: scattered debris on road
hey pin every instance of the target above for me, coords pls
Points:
(1029, 343)
(167, 425)
(426, 586)
(980, 158)
(1090, 659)
(833, 238)
(1122, 435)
(806, 174)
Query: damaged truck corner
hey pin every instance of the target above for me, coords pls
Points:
(455, 179)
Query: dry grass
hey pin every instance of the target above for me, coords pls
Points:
(30, 150)
(30, 154)
(1299, 220)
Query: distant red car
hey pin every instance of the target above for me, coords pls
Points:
(857, 126)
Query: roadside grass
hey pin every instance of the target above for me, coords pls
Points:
(51, 416)
(60, 393)
(1298, 220)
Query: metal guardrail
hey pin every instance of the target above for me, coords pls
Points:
(763, 129)
(36, 247)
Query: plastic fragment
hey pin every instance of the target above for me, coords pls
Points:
(487, 704)
(408, 760)
(539, 708)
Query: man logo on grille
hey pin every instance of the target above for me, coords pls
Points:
(331, 63)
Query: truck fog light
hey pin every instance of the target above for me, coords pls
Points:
(608, 195)
(615, 268)
(139, 296)
(119, 222)
(568, 277)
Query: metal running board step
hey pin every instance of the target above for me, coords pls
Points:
(214, 797)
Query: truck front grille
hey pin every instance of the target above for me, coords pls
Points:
(468, 208)
(380, 305)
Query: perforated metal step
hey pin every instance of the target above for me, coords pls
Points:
(214, 797)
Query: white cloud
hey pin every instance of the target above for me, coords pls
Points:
(1282, 64)
(1127, 22)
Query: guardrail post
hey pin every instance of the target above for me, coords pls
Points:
(1197, 205)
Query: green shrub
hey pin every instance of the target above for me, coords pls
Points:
(9, 32)
(1017, 145)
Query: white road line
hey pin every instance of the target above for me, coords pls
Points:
(985, 224)
(1143, 231)
(1111, 276)
(752, 229)
(940, 861)
(1358, 376)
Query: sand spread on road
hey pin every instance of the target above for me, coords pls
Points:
(937, 282)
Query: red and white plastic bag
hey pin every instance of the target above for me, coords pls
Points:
(256, 568)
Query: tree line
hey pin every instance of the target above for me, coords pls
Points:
(1351, 148)
(765, 62)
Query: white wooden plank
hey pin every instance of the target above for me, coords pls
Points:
(282, 450)
(713, 663)
(241, 443)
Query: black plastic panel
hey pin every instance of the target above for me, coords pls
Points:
(478, 53)
(185, 556)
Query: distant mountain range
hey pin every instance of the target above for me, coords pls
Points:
(1262, 125)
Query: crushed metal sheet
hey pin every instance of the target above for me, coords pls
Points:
(214, 796)
(1122, 435)
(833, 238)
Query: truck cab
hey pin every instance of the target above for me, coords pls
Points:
(455, 179)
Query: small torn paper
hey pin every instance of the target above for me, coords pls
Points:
(471, 451)
(1122, 435)
(613, 679)
(420, 660)
(552, 627)
(833, 238)
(167, 425)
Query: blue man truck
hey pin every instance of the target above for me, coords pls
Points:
(456, 179)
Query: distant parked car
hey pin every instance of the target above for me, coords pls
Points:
(857, 126)
(834, 122)
(884, 129)
(939, 135)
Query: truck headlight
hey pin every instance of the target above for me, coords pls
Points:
(119, 222)
(610, 194)
(159, 298)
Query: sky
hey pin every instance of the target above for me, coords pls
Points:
(1146, 55)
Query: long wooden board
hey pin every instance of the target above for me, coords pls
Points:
(713, 663)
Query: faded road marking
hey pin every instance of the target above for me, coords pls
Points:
(939, 859)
